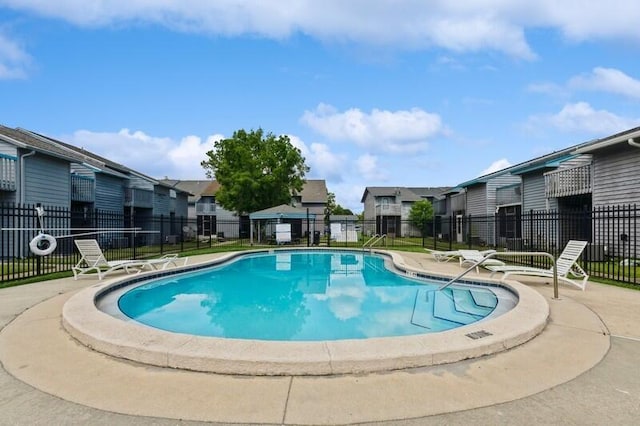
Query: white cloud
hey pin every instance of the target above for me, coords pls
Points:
(496, 25)
(323, 163)
(458, 26)
(391, 131)
(13, 60)
(367, 166)
(154, 156)
(581, 117)
(497, 165)
(349, 195)
(547, 88)
(609, 80)
(344, 297)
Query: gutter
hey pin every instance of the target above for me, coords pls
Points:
(22, 182)
(631, 142)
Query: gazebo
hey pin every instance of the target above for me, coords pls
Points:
(283, 213)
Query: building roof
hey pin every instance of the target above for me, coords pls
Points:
(313, 191)
(196, 188)
(107, 165)
(29, 140)
(401, 193)
(609, 141)
(282, 211)
(550, 160)
(26, 141)
(432, 192)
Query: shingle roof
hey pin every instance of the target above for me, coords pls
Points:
(30, 140)
(430, 191)
(609, 141)
(314, 191)
(90, 156)
(197, 188)
(282, 211)
(400, 192)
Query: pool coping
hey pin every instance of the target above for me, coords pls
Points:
(132, 341)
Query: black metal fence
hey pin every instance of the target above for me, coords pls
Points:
(613, 234)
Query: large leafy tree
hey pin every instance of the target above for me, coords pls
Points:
(255, 170)
(421, 215)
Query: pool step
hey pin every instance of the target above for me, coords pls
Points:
(465, 301)
(423, 312)
(451, 307)
(445, 307)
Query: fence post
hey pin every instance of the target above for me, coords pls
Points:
(135, 235)
(181, 233)
(162, 234)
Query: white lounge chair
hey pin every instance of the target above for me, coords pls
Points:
(566, 265)
(447, 255)
(93, 260)
(473, 257)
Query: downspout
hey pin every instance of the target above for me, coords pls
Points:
(22, 182)
(633, 143)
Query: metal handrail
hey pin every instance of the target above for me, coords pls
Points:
(369, 240)
(373, 240)
(511, 253)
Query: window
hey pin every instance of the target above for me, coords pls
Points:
(509, 222)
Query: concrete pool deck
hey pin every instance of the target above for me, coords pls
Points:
(581, 369)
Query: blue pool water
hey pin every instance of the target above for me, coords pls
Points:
(303, 296)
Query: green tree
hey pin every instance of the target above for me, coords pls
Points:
(342, 211)
(421, 215)
(335, 208)
(255, 171)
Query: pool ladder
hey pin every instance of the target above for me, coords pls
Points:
(373, 241)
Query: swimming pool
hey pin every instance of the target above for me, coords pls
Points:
(91, 317)
(307, 296)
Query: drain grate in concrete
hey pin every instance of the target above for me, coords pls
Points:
(478, 334)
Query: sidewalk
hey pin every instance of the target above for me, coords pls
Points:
(534, 383)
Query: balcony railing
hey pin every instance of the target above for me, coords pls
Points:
(508, 195)
(82, 189)
(7, 173)
(440, 207)
(135, 197)
(568, 182)
(205, 208)
(389, 210)
(458, 202)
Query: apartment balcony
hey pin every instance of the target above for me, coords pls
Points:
(509, 195)
(440, 207)
(568, 182)
(7, 173)
(459, 202)
(389, 210)
(204, 209)
(83, 189)
(136, 197)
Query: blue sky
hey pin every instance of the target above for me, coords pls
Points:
(375, 93)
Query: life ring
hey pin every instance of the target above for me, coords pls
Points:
(43, 244)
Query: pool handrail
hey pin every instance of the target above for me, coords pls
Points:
(373, 240)
(510, 253)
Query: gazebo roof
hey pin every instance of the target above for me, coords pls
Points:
(282, 211)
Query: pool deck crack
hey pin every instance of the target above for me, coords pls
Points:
(286, 401)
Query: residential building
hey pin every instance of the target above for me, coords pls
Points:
(212, 219)
(386, 209)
